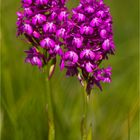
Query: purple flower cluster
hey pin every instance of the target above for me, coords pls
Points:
(82, 37)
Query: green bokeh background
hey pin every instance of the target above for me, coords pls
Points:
(114, 112)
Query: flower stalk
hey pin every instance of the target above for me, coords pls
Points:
(85, 114)
(51, 131)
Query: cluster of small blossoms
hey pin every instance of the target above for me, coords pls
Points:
(82, 40)
(40, 21)
(89, 41)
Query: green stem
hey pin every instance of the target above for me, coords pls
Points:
(84, 119)
(51, 133)
(85, 103)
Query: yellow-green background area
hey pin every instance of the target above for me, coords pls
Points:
(113, 112)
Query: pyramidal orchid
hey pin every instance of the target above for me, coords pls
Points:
(82, 37)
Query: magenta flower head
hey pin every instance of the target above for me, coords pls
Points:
(82, 38)
(39, 21)
(90, 40)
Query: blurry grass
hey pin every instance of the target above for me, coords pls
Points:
(24, 95)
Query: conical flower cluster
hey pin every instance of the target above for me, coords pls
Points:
(82, 38)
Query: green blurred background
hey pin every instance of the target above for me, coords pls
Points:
(114, 112)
